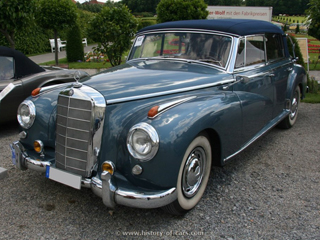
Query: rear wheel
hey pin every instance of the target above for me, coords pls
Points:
(193, 176)
(290, 120)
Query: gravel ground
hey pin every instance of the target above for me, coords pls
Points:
(269, 191)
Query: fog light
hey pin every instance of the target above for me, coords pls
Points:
(108, 167)
(137, 170)
(38, 146)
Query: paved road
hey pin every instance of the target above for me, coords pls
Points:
(47, 57)
(270, 191)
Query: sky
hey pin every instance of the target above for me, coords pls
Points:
(82, 1)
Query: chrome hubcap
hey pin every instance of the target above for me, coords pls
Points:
(193, 172)
(294, 106)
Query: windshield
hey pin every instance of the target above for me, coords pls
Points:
(204, 47)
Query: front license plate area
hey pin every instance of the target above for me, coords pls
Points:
(66, 178)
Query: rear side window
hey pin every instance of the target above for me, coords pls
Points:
(275, 49)
(250, 51)
(6, 68)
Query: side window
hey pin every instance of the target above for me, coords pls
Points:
(254, 50)
(250, 51)
(6, 68)
(240, 54)
(275, 49)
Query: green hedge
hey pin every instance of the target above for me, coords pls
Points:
(146, 23)
(74, 45)
(35, 40)
(32, 40)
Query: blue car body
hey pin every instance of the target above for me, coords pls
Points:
(139, 157)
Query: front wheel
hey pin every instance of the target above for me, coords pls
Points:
(290, 120)
(193, 176)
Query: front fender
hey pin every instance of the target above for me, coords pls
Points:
(43, 127)
(177, 127)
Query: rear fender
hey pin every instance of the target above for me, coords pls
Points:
(297, 77)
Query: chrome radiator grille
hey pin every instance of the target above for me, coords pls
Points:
(78, 136)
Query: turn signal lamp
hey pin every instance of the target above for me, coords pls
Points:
(108, 167)
(38, 146)
(35, 92)
(153, 111)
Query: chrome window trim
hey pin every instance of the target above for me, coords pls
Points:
(187, 30)
(157, 94)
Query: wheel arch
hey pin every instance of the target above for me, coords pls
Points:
(297, 77)
(215, 143)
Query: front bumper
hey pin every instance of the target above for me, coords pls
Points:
(111, 194)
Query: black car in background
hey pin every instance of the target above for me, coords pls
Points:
(19, 76)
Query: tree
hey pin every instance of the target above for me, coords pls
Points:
(173, 10)
(95, 8)
(14, 16)
(74, 44)
(84, 19)
(314, 16)
(224, 2)
(56, 15)
(297, 28)
(113, 28)
(138, 6)
(292, 7)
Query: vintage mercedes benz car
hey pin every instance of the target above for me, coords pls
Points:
(19, 76)
(145, 134)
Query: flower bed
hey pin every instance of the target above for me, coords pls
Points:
(175, 42)
(95, 56)
(169, 51)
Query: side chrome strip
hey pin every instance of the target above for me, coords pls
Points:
(157, 94)
(273, 123)
(166, 106)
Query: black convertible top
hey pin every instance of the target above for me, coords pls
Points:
(239, 27)
(23, 65)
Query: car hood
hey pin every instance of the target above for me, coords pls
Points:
(154, 77)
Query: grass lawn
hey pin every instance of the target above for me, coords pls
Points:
(79, 65)
(312, 98)
(291, 19)
(314, 51)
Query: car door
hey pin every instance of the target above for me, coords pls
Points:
(254, 86)
(281, 68)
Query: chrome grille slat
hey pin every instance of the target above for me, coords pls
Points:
(67, 121)
(79, 110)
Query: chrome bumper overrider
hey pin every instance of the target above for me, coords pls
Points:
(104, 188)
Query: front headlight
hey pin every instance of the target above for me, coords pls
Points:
(26, 114)
(143, 141)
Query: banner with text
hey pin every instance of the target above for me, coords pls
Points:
(223, 12)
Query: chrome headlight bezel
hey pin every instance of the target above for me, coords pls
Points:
(149, 139)
(26, 121)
